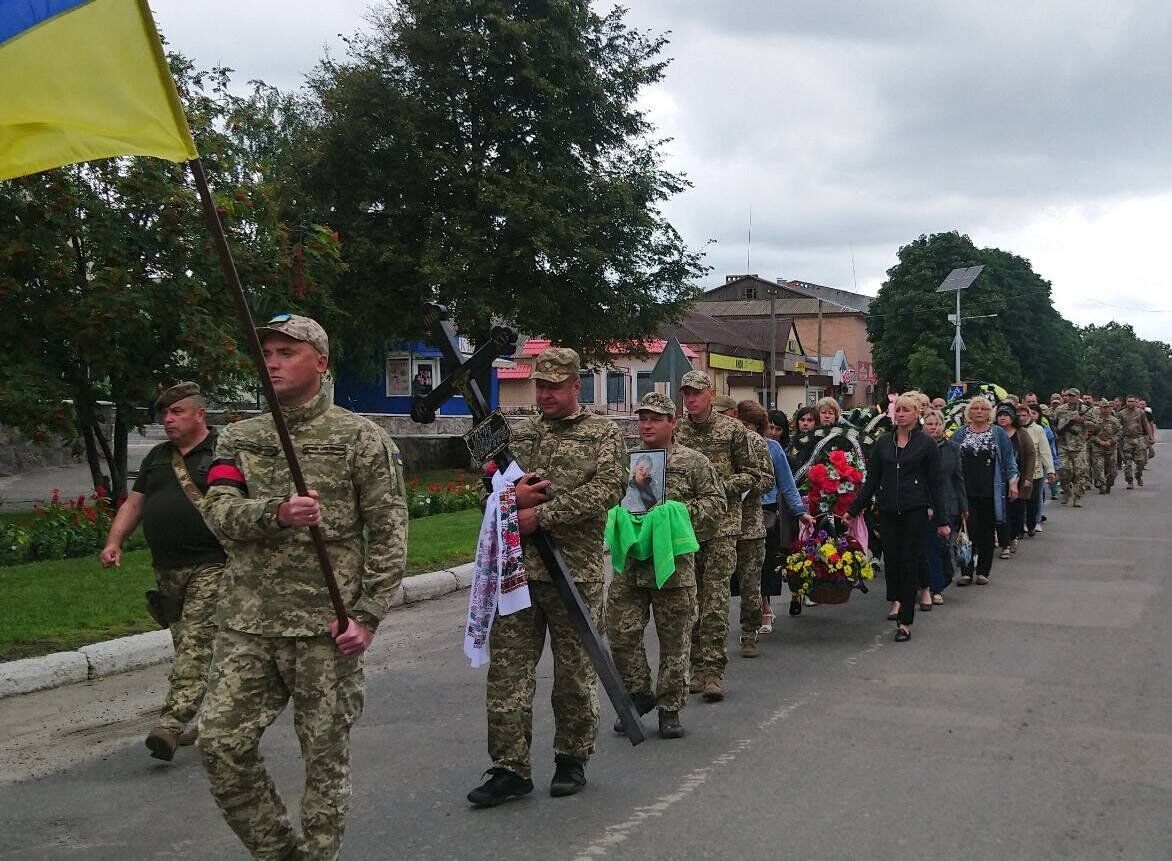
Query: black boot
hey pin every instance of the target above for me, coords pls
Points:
(502, 785)
(669, 724)
(569, 776)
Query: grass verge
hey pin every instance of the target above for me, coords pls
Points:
(64, 604)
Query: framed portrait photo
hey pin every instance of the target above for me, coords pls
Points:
(646, 480)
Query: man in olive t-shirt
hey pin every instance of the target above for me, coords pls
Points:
(187, 558)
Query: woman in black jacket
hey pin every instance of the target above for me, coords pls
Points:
(905, 478)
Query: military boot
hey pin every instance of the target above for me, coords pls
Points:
(502, 785)
(569, 776)
(161, 742)
(1139, 479)
(699, 680)
(749, 647)
(189, 736)
(669, 724)
(713, 688)
(1077, 501)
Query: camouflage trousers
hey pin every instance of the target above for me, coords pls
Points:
(516, 643)
(1075, 472)
(195, 589)
(627, 612)
(1135, 457)
(253, 678)
(750, 558)
(715, 563)
(1103, 466)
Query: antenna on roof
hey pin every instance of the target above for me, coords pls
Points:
(749, 245)
(854, 279)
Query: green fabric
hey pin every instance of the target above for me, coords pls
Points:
(661, 535)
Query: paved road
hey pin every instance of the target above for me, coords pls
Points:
(20, 492)
(1031, 718)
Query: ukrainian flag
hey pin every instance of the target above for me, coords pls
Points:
(83, 80)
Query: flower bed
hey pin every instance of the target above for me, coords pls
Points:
(59, 530)
(436, 498)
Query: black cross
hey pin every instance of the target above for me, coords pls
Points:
(423, 408)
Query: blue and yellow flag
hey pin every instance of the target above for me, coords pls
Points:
(83, 80)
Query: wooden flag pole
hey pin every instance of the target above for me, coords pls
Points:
(228, 265)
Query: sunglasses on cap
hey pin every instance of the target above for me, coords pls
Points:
(280, 318)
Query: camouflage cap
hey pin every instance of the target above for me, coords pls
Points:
(176, 393)
(1103, 402)
(1073, 391)
(720, 403)
(557, 364)
(299, 329)
(656, 402)
(697, 380)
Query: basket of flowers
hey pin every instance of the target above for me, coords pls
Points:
(827, 566)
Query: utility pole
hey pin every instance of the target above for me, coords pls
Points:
(820, 369)
(772, 399)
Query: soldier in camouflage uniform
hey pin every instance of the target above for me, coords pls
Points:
(1136, 432)
(751, 541)
(692, 481)
(725, 442)
(1073, 423)
(278, 637)
(1105, 443)
(580, 465)
(187, 558)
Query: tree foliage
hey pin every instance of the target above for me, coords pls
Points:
(110, 287)
(1120, 363)
(1027, 345)
(491, 155)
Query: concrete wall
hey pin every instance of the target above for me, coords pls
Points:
(19, 454)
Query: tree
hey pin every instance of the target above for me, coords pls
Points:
(490, 154)
(927, 371)
(1026, 345)
(110, 286)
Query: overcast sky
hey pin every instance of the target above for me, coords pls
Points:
(850, 128)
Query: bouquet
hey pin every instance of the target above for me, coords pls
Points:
(820, 559)
(830, 487)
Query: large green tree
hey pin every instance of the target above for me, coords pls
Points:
(1120, 363)
(1026, 345)
(492, 155)
(110, 286)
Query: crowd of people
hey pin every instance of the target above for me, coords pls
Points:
(749, 502)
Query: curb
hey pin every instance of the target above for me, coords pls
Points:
(142, 650)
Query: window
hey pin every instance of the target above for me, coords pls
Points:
(426, 375)
(643, 384)
(586, 396)
(398, 376)
(616, 387)
(750, 292)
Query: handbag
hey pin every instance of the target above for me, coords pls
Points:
(963, 548)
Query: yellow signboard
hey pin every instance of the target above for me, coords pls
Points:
(735, 363)
(800, 366)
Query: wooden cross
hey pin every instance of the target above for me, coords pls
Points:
(461, 381)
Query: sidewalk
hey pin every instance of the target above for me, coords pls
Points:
(141, 650)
